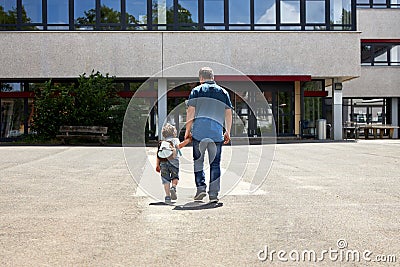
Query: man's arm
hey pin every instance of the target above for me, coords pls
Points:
(189, 121)
(184, 143)
(228, 125)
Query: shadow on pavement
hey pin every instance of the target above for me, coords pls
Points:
(199, 205)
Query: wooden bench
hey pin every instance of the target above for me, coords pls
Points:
(381, 128)
(83, 132)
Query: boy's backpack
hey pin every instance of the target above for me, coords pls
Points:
(166, 150)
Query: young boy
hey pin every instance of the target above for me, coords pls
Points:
(168, 160)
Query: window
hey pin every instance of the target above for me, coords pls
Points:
(33, 9)
(239, 12)
(213, 11)
(315, 11)
(290, 11)
(188, 11)
(341, 15)
(378, 3)
(57, 12)
(380, 54)
(180, 14)
(85, 14)
(136, 14)
(8, 14)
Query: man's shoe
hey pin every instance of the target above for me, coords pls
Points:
(173, 193)
(168, 200)
(200, 195)
(213, 199)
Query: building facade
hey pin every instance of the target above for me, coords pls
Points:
(308, 57)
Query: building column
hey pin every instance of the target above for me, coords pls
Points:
(337, 112)
(395, 116)
(297, 108)
(162, 104)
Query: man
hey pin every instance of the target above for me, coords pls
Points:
(209, 106)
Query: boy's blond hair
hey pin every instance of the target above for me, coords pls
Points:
(168, 131)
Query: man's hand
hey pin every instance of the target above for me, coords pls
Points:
(227, 138)
(158, 168)
(188, 137)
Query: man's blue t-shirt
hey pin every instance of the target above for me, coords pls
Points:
(210, 101)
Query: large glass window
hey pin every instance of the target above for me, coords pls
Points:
(162, 14)
(85, 13)
(380, 54)
(378, 3)
(110, 11)
(33, 9)
(315, 11)
(11, 87)
(12, 117)
(57, 12)
(265, 13)
(188, 11)
(213, 11)
(395, 55)
(290, 11)
(239, 12)
(136, 12)
(8, 13)
(179, 14)
(341, 14)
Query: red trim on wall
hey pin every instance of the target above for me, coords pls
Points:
(149, 94)
(178, 94)
(380, 40)
(263, 78)
(16, 94)
(316, 93)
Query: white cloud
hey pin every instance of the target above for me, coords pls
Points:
(289, 14)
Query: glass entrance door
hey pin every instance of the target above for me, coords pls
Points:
(282, 103)
(283, 112)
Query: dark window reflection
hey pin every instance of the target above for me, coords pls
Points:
(8, 12)
(110, 11)
(188, 11)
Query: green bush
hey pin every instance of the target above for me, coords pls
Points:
(92, 102)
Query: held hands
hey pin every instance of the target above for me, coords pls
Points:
(188, 135)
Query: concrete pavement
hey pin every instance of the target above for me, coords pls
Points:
(79, 206)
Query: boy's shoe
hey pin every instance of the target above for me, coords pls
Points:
(168, 199)
(173, 193)
(200, 195)
(213, 199)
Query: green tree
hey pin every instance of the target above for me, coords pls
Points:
(11, 17)
(107, 15)
(54, 106)
(184, 16)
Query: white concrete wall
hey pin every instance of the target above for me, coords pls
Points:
(48, 54)
(375, 81)
(375, 23)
